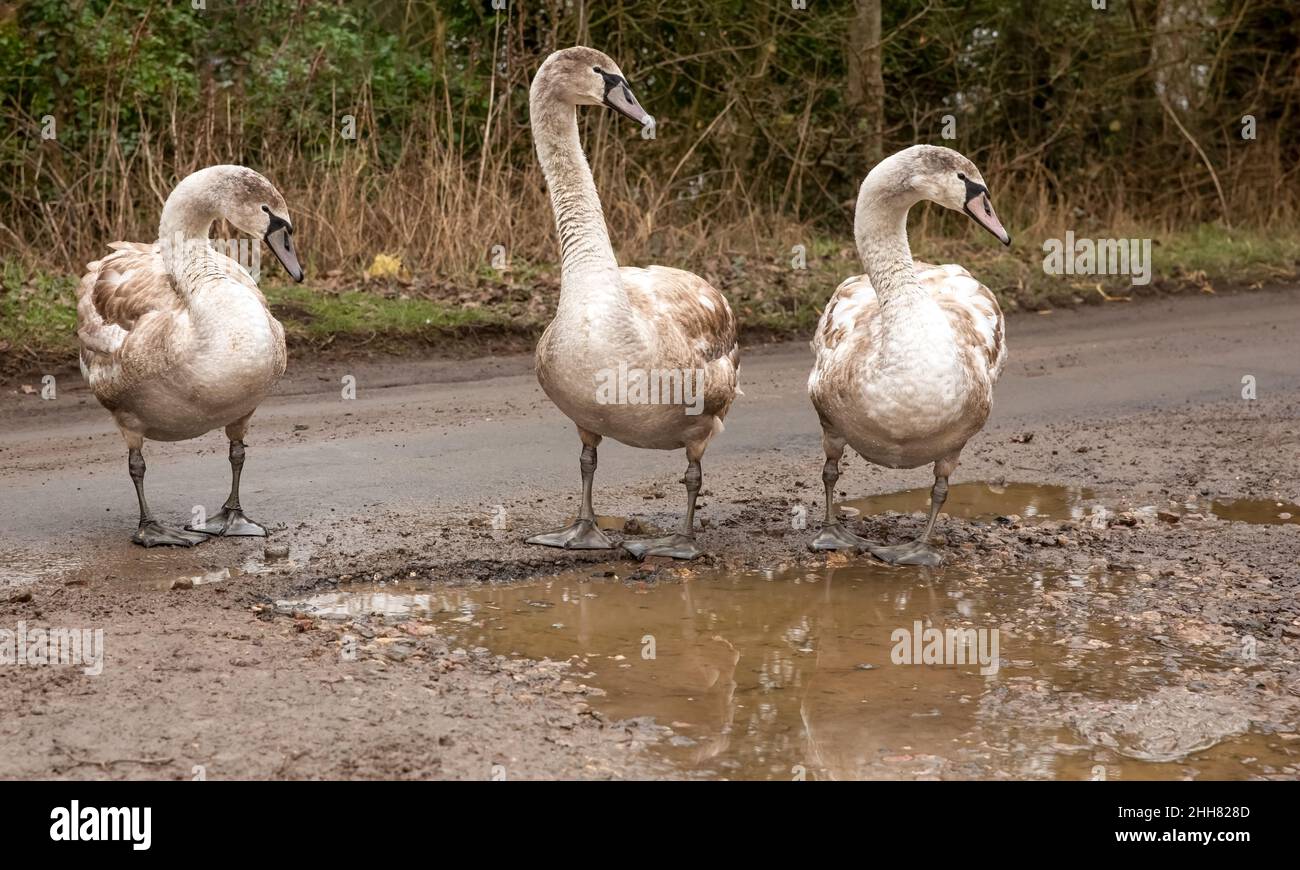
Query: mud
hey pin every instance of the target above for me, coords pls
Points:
(826, 673)
(434, 473)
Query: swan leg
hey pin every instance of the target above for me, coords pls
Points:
(834, 534)
(919, 552)
(150, 532)
(230, 520)
(681, 545)
(583, 534)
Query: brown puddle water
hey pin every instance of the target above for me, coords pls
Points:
(983, 500)
(111, 559)
(780, 675)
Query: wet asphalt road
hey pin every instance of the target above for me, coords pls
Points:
(436, 436)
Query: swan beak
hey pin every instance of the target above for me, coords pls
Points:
(620, 99)
(280, 242)
(980, 208)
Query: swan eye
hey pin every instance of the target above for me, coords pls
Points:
(962, 176)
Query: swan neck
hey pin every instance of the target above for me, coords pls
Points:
(183, 235)
(880, 230)
(587, 262)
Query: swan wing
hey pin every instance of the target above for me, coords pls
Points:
(126, 304)
(972, 309)
(693, 327)
(852, 314)
(847, 332)
(125, 286)
(850, 325)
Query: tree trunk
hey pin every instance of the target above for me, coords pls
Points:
(866, 85)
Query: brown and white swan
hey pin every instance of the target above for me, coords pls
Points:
(624, 324)
(176, 339)
(906, 354)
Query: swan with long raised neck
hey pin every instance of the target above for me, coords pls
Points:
(907, 354)
(176, 339)
(647, 356)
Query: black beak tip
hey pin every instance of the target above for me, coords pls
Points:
(1006, 243)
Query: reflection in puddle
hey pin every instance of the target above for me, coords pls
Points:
(1248, 510)
(777, 675)
(350, 605)
(972, 501)
(108, 560)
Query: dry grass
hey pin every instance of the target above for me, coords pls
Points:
(442, 211)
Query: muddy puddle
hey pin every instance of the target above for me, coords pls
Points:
(864, 671)
(982, 500)
(110, 559)
(106, 556)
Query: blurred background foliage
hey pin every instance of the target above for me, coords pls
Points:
(1114, 122)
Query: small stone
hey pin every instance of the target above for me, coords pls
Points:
(398, 652)
(275, 552)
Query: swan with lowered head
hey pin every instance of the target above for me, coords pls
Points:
(906, 354)
(647, 356)
(176, 339)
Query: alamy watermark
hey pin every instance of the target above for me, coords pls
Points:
(1071, 256)
(129, 824)
(231, 254)
(634, 386)
(53, 646)
(950, 646)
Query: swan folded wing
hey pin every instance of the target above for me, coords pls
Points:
(693, 324)
(848, 330)
(124, 303)
(852, 309)
(124, 287)
(973, 310)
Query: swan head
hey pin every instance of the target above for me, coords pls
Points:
(583, 76)
(252, 205)
(944, 176)
(239, 195)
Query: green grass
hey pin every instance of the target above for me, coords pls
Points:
(38, 310)
(1207, 257)
(1241, 257)
(316, 316)
(38, 318)
(38, 315)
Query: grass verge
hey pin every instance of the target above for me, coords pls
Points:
(491, 311)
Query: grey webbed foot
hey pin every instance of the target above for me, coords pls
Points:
(152, 533)
(674, 547)
(911, 553)
(582, 535)
(230, 523)
(838, 537)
